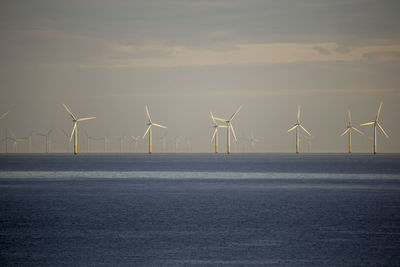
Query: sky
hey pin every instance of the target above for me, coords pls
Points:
(186, 58)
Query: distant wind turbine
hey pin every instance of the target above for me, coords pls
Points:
(88, 138)
(376, 123)
(75, 120)
(188, 143)
(253, 140)
(105, 140)
(177, 141)
(297, 126)
(163, 142)
(66, 135)
(150, 125)
(350, 127)
(215, 134)
(135, 140)
(229, 127)
(121, 142)
(28, 139)
(47, 139)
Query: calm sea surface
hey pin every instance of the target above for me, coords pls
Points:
(199, 210)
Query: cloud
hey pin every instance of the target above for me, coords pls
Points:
(247, 54)
(321, 50)
(385, 56)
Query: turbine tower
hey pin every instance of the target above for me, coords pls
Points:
(150, 124)
(47, 138)
(215, 134)
(349, 129)
(229, 127)
(376, 123)
(297, 126)
(75, 120)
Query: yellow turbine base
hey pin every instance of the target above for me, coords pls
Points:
(149, 149)
(75, 149)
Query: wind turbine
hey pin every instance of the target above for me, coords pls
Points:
(229, 127)
(253, 140)
(349, 129)
(150, 124)
(135, 140)
(75, 129)
(163, 142)
(121, 141)
(47, 138)
(66, 140)
(105, 140)
(28, 139)
(16, 140)
(297, 126)
(215, 134)
(376, 123)
(88, 138)
(177, 141)
(188, 143)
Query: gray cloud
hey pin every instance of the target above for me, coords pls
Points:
(321, 50)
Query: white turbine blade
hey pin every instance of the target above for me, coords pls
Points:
(158, 125)
(148, 114)
(379, 112)
(215, 132)
(348, 129)
(69, 112)
(233, 131)
(49, 132)
(304, 129)
(73, 130)
(221, 126)
(383, 131)
(349, 118)
(85, 119)
(234, 114)
(367, 123)
(148, 128)
(291, 129)
(298, 113)
(355, 129)
(4, 115)
(219, 119)
(212, 117)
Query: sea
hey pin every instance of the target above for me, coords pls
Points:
(200, 209)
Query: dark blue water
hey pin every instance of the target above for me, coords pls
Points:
(200, 210)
